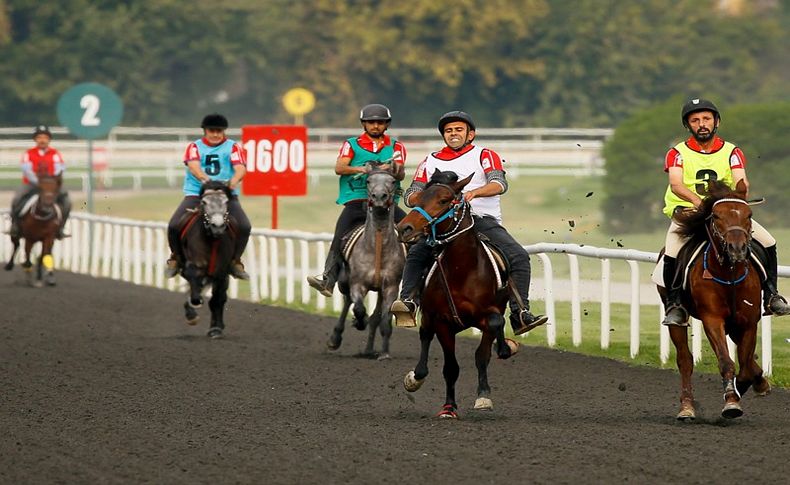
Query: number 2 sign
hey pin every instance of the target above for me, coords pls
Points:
(276, 160)
(90, 110)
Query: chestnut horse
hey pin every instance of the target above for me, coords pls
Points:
(39, 223)
(207, 240)
(461, 292)
(724, 293)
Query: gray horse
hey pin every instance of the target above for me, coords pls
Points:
(375, 264)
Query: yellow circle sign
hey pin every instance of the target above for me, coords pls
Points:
(298, 101)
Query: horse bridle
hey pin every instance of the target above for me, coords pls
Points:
(715, 234)
(212, 192)
(458, 216)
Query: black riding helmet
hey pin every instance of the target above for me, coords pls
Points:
(42, 130)
(214, 120)
(698, 104)
(375, 112)
(451, 116)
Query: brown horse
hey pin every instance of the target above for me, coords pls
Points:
(207, 241)
(461, 292)
(39, 222)
(724, 293)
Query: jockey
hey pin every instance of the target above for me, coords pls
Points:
(212, 157)
(483, 193)
(40, 160)
(372, 145)
(701, 157)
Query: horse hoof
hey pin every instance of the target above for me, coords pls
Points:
(763, 389)
(215, 332)
(514, 346)
(732, 410)
(411, 383)
(38, 284)
(9, 266)
(193, 321)
(51, 282)
(332, 345)
(687, 415)
(447, 412)
(359, 325)
(484, 404)
(383, 356)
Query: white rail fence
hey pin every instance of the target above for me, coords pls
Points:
(278, 262)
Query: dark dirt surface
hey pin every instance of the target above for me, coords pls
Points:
(102, 382)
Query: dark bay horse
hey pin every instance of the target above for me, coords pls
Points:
(462, 291)
(39, 222)
(375, 264)
(724, 293)
(207, 239)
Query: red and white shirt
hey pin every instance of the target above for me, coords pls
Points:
(470, 160)
(675, 159)
(36, 162)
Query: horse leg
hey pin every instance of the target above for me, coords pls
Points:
(414, 379)
(482, 359)
(505, 347)
(10, 264)
(219, 295)
(386, 297)
(685, 363)
(47, 261)
(357, 294)
(373, 325)
(337, 333)
(194, 300)
(750, 374)
(450, 373)
(27, 265)
(714, 328)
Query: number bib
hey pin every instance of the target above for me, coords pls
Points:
(215, 162)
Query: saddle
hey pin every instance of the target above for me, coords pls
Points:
(350, 239)
(694, 249)
(495, 256)
(29, 205)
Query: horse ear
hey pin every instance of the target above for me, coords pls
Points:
(740, 189)
(462, 183)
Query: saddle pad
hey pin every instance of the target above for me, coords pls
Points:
(494, 257)
(31, 203)
(354, 236)
(658, 272)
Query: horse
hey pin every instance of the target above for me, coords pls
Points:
(462, 291)
(207, 241)
(39, 222)
(375, 264)
(724, 293)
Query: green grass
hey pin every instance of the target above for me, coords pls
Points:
(536, 209)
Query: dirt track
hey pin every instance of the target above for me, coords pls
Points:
(101, 382)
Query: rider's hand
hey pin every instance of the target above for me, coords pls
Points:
(232, 184)
(468, 196)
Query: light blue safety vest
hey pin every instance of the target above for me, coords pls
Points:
(215, 162)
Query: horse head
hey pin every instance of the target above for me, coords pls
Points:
(381, 185)
(48, 188)
(436, 206)
(725, 217)
(214, 197)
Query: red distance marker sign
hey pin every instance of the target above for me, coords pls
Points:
(276, 160)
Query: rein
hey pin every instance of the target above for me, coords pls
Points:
(433, 239)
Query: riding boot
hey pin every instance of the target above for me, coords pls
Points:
(405, 308)
(325, 283)
(773, 302)
(675, 313)
(521, 319)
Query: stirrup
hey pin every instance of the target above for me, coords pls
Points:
(676, 315)
(524, 321)
(777, 305)
(319, 284)
(404, 312)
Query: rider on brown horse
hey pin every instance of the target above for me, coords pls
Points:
(212, 157)
(373, 145)
(701, 157)
(483, 192)
(40, 160)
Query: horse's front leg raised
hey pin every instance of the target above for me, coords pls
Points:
(357, 294)
(194, 300)
(415, 378)
(219, 295)
(714, 328)
(685, 363)
(337, 333)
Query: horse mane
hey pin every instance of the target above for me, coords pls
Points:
(444, 178)
(216, 185)
(692, 222)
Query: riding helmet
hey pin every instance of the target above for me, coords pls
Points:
(375, 112)
(42, 130)
(214, 120)
(451, 116)
(698, 104)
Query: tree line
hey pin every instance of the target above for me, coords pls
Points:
(574, 63)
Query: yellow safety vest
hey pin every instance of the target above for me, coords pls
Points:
(698, 168)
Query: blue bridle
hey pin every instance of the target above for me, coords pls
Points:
(433, 238)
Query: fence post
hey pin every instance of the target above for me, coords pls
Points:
(606, 276)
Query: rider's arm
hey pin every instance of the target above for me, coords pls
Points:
(418, 183)
(399, 157)
(490, 189)
(342, 165)
(30, 174)
(197, 171)
(739, 174)
(239, 171)
(738, 167)
(496, 183)
(678, 188)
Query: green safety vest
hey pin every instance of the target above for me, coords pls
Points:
(354, 187)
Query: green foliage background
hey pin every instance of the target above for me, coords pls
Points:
(584, 63)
